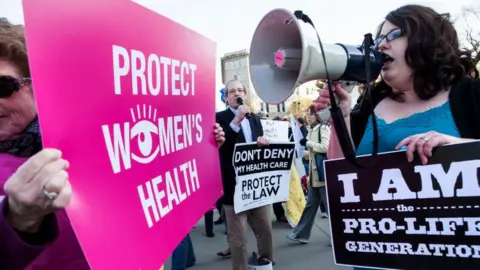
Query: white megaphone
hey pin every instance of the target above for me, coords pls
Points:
(285, 52)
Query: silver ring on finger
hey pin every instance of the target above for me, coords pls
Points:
(50, 195)
(424, 138)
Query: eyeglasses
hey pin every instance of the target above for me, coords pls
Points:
(390, 36)
(10, 85)
(233, 91)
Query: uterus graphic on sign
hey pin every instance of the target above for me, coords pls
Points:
(150, 136)
(144, 129)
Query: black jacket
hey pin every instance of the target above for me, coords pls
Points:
(226, 151)
(304, 131)
(464, 100)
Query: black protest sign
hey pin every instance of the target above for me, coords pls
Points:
(401, 215)
(249, 158)
(263, 174)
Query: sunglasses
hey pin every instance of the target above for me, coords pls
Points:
(390, 36)
(10, 85)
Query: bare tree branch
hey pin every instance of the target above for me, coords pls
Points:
(472, 36)
(475, 12)
(472, 39)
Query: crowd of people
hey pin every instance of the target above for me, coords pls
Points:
(427, 96)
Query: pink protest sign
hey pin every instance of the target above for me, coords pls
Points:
(128, 96)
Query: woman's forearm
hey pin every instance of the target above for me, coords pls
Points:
(334, 149)
(21, 223)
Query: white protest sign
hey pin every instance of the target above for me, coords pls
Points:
(297, 136)
(300, 167)
(275, 131)
(293, 124)
(262, 174)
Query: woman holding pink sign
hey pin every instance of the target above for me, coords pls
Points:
(35, 231)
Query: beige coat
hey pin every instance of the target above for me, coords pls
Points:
(313, 146)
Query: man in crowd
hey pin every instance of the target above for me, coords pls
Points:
(241, 126)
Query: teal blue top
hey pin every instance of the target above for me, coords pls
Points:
(437, 119)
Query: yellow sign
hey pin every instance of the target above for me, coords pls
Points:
(296, 202)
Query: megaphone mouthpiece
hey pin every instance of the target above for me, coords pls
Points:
(290, 59)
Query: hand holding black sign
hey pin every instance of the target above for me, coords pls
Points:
(402, 215)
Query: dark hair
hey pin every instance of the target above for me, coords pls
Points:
(301, 120)
(311, 109)
(13, 47)
(432, 52)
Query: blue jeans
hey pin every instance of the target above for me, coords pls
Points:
(183, 255)
(315, 196)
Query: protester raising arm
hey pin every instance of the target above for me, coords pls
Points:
(232, 129)
(323, 101)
